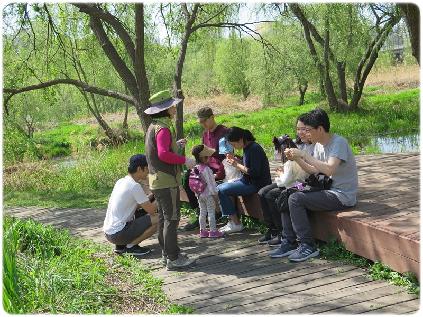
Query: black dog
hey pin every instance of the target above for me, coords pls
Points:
(281, 143)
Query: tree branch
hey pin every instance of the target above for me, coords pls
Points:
(216, 15)
(295, 8)
(94, 11)
(84, 86)
(117, 62)
(166, 27)
(244, 27)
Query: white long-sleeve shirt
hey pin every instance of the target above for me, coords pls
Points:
(208, 177)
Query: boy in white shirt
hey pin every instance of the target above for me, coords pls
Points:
(120, 225)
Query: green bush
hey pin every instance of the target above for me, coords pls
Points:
(17, 147)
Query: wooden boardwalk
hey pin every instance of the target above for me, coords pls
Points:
(235, 275)
(385, 224)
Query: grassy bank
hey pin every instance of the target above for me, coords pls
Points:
(89, 181)
(48, 271)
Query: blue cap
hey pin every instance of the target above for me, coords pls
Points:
(225, 146)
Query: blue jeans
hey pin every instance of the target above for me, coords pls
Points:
(236, 188)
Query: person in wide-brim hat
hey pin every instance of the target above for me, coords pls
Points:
(161, 101)
(164, 164)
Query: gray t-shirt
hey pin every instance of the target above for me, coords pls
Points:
(345, 179)
(309, 148)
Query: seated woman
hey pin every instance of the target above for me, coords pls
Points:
(255, 175)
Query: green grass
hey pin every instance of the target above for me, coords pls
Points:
(394, 113)
(46, 270)
(64, 139)
(87, 184)
(334, 250)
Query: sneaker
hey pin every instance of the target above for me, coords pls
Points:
(225, 227)
(204, 233)
(232, 227)
(267, 237)
(304, 252)
(191, 225)
(119, 249)
(286, 248)
(216, 234)
(181, 262)
(275, 241)
(137, 250)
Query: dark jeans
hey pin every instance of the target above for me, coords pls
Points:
(271, 215)
(296, 224)
(225, 192)
(168, 207)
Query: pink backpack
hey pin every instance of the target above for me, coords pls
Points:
(196, 182)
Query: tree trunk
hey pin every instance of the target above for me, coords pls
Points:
(412, 18)
(302, 93)
(330, 92)
(368, 61)
(125, 118)
(97, 115)
(340, 67)
(177, 79)
(139, 68)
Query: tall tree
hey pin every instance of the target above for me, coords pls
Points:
(131, 72)
(411, 13)
(325, 56)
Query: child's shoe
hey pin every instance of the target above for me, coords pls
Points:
(204, 233)
(216, 234)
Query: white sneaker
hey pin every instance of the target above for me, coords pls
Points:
(225, 227)
(232, 227)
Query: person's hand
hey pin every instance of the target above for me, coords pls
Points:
(151, 197)
(232, 161)
(230, 156)
(181, 143)
(292, 154)
(189, 163)
(279, 171)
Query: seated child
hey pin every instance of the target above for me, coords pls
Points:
(231, 172)
(202, 183)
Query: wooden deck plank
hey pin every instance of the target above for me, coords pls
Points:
(227, 286)
(299, 301)
(403, 307)
(386, 299)
(345, 304)
(287, 283)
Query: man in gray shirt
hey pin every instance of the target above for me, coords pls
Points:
(333, 157)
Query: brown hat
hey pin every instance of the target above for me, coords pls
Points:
(204, 113)
(201, 150)
(207, 151)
